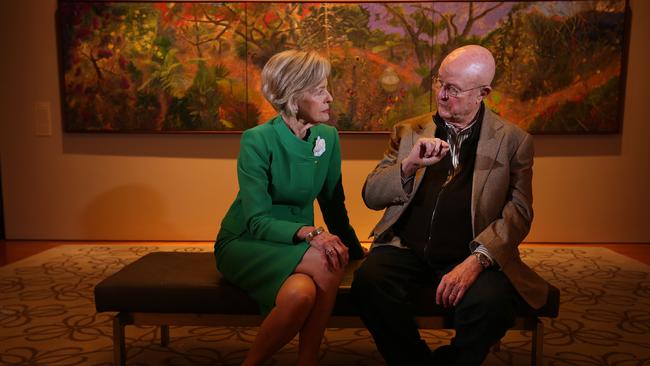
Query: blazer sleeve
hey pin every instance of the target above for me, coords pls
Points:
(503, 235)
(253, 173)
(331, 200)
(383, 186)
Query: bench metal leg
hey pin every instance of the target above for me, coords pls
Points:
(537, 346)
(164, 335)
(119, 345)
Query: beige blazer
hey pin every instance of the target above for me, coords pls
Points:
(501, 194)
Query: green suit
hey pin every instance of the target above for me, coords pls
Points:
(279, 177)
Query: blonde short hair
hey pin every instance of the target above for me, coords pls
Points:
(290, 73)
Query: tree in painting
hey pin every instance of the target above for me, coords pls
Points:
(380, 79)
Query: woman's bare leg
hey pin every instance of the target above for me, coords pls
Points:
(294, 303)
(327, 283)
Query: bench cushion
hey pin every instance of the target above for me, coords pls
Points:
(173, 282)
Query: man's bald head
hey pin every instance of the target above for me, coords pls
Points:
(468, 71)
(475, 62)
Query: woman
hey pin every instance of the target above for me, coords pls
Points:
(268, 244)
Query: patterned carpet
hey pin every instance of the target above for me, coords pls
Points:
(47, 315)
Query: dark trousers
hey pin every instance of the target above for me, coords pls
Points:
(387, 289)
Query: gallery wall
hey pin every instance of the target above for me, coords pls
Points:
(56, 185)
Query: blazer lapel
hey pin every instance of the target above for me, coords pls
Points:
(486, 153)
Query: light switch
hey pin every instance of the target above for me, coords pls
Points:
(42, 119)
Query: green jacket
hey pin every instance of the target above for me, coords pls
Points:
(279, 178)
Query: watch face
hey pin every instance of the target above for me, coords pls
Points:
(482, 259)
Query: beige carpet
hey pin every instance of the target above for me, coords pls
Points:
(47, 315)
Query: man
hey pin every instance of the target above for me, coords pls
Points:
(456, 187)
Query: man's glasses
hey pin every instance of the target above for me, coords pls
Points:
(451, 90)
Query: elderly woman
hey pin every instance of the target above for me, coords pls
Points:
(268, 244)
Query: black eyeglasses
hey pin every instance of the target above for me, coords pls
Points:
(449, 89)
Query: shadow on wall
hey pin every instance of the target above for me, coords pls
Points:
(578, 145)
(356, 146)
(130, 212)
(2, 216)
(207, 146)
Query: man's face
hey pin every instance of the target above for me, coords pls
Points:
(461, 108)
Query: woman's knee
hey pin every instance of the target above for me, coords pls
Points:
(328, 278)
(297, 292)
(324, 276)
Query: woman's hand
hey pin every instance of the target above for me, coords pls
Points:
(335, 252)
(332, 248)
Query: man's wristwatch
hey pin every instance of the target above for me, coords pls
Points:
(483, 260)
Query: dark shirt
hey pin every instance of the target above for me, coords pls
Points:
(437, 225)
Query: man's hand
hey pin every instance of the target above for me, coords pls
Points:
(426, 151)
(454, 284)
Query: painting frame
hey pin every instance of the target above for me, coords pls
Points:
(149, 95)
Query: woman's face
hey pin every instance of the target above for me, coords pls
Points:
(314, 106)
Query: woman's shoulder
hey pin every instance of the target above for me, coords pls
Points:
(259, 132)
(261, 128)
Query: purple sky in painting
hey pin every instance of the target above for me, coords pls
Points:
(379, 17)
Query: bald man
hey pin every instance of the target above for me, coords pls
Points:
(456, 189)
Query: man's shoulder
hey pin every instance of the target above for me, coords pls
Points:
(417, 123)
(508, 127)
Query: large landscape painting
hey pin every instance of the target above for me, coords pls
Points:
(195, 66)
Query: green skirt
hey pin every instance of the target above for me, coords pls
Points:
(258, 267)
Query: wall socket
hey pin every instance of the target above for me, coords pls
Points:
(42, 119)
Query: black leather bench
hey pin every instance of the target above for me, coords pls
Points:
(175, 288)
